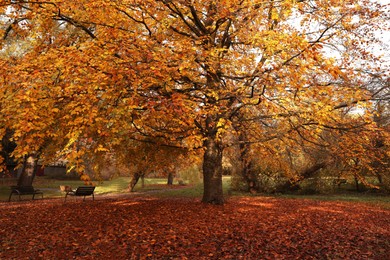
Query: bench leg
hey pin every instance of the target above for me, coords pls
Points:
(93, 197)
(9, 199)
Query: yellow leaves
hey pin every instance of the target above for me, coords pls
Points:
(221, 123)
(85, 177)
(100, 148)
(193, 142)
(223, 126)
(214, 95)
(167, 22)
(274, 14)
(55, 110)
(73, 137)
(332, 68)
(144, 80)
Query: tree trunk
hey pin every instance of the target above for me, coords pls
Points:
(212, 172)
(28, 170)
(133, 181)
(170, 178)
(307, 173)
(357, 183)
(379, 177)
(247, 166)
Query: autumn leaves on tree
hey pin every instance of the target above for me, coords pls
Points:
(84, 78)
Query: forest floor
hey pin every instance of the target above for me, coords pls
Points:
(152, 227)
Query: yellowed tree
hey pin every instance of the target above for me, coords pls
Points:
(180, 72)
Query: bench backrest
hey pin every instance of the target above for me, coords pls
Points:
(85, 190)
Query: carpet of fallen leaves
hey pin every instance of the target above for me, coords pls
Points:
(177, 228)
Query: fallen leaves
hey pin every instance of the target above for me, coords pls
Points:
(173, 228)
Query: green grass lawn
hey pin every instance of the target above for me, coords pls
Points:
(374, 199)
(51, 187)
(158, 187)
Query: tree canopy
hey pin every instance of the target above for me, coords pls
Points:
(86, 77)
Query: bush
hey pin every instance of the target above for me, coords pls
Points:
(191, 175)
(385, 185)
(238, 183)
(321, 185)
(271, 182)
(266, 182)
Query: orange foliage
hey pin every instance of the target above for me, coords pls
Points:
(150, 228)
(85, 77)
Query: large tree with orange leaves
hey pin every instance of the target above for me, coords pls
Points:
(83, 77)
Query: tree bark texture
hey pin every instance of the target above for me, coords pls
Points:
(28, 170)
(134, 181)
(170, 178)
(212, 172)
(248, 174)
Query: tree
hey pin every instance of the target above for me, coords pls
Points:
(6, 149)
(182, 73)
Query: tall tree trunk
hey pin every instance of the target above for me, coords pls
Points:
(212, 172)
(28, 170)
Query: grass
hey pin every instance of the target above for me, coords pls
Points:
(193, 191)
(51, 187)
(119, 185)
(373, 199)
(158, 187)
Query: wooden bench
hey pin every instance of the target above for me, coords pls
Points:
(82, 191)
(24, 190)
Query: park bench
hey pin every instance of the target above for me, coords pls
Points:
(82, 191)
(24, 190)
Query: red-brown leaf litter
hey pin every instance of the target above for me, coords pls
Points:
(180, 228)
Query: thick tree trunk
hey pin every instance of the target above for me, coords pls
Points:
(212, 172)
(28, 170)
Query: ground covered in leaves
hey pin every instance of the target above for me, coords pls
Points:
(173, 228)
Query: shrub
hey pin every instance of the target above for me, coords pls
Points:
(191, 175)
(271, 182)
(385, 185)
